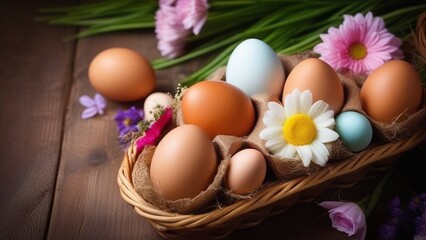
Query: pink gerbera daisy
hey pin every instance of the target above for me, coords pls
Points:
(360, 44)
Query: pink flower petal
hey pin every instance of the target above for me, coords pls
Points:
(370, 31)
(154, 132)
(199, 25)
(170, 32)
(347, 217)
(193, 13)
(167, 2)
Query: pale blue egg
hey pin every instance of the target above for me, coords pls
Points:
(255, 68)
(354, 130)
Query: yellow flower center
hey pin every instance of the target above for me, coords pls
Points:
(127, 122)
(299, 129)
(357, 51)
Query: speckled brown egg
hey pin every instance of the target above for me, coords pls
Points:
(391, 92)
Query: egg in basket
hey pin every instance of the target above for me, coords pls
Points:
(267, 122)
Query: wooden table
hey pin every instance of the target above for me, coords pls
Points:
(58, 172)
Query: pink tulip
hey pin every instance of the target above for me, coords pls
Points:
(347, 217)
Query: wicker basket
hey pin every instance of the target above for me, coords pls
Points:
(272, 199)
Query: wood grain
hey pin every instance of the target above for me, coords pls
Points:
(87, 202)
(58, 172)
(87, 195)
(35, 81)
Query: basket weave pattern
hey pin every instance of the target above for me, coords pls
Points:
(274, 198)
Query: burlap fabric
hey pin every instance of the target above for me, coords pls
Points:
(281, 169)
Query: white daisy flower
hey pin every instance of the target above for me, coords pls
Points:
(299, 129)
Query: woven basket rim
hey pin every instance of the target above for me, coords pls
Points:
(273, 192)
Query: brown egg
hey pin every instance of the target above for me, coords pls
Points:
(122, 74)
(246, 172)
(391, 92)
(219, 108)
(317, 76)
(184, 163)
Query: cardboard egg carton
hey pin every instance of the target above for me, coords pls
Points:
(279, 169)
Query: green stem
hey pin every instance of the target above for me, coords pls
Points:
(401, 11)
(377, 192)
(163, 63)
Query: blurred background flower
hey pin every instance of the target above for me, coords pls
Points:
(404, 221)
(287, 26)
(347, 217)
(174, 21)
(170, 32)
(127, 121)
(93, 106)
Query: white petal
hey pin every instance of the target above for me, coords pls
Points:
(291, 103)
(288, 151)
(320, 153)
(275, 144)
(270, 119)
(305, 101)
(270, 132)
(277, 109)
(317, 108)
(324, 123)
(305, 154)
(324, 116)
(326, 135)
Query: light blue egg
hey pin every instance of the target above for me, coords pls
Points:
(354, 130)
(255, 68)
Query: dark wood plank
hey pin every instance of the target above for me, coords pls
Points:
(87, 203)
(35, 79)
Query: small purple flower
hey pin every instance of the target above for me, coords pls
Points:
(93, 106)
(395, 226)
(388, 231)
(417, 203)
(420, 223)
(406, 220)
(127, 121)
(347, 217)
(397, 213)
